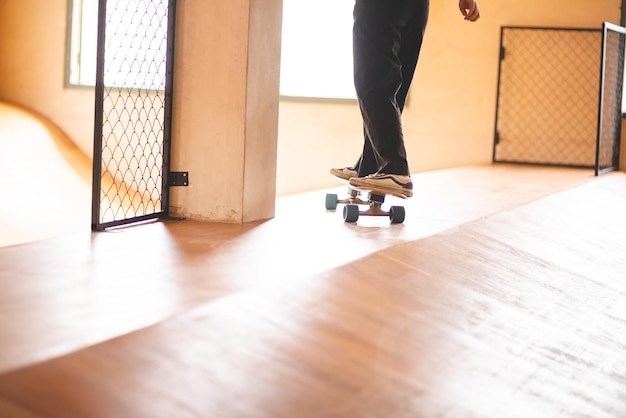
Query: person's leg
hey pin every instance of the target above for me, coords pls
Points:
(387, 38)
(411, 46)
(377, 37)
(411, 42)
(367, 163)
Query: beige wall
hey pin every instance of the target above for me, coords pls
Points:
(448, 120)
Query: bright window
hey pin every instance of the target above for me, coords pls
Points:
(317, 49)
(83, 42)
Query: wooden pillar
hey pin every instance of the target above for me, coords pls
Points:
(225, 122)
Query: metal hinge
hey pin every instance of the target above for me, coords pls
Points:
(178, 178)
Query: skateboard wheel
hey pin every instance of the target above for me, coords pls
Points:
(331, 201)
(396, 214)
(350, 213)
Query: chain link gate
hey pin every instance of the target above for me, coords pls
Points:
(547, 106)
(133, 111)
(611, 90)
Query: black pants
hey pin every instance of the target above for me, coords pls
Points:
(387, 37)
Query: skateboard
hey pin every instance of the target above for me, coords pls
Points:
(375, 199)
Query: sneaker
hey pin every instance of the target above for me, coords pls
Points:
(390, 183)
(345, 173)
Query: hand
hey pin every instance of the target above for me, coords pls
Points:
(469, 9)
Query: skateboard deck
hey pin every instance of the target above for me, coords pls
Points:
(380, 192)
(374, 201)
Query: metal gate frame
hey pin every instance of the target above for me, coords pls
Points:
(162, 211)
(495, 159)
(610, 103)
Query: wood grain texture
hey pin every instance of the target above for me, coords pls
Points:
(521, 313)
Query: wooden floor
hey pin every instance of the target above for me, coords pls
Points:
(502, 295)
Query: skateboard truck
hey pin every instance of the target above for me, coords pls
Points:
(332, 200)
(351, 211)
(375, 200)
(395, 214)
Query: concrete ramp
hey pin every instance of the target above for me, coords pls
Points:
(45, 179)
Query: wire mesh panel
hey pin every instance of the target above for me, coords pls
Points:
(610, 108)
(547, 96)
(133, 111)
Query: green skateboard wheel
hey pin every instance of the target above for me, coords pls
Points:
(331, 201)
(350, 213)
(396, 214)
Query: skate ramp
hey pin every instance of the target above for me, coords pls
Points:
(45, 179)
